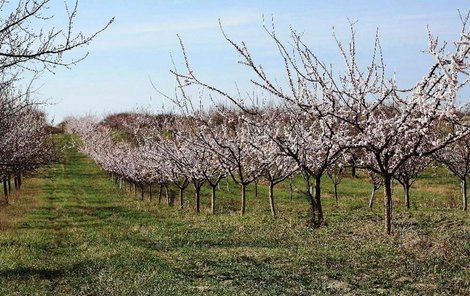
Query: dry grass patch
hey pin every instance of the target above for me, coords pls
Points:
(20, 203)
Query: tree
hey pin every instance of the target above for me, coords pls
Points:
(335, 173)
(25, 45)
(391, 126)
(407, 173)
(276, 166)
(377, 182)
(231, 142)
(208, 164)
(456, 157)
(26, 145)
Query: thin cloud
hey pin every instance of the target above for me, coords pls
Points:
(193, 24)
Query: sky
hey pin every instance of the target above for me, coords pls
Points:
(136, 48)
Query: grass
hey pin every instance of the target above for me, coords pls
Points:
(73, 232)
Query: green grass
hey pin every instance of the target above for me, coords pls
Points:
(73, 232)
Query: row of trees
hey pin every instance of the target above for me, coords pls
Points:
(318, 120)
(25, 140)
(361, 111)
(29, 45)
(145, 151)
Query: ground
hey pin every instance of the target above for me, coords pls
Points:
(72, 231)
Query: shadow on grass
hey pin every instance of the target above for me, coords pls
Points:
(83, 216)
(26, 272)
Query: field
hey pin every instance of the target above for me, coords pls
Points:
(73, 232)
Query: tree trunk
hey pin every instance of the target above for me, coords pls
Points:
(9, 185)
(226, 184)
(464, 194)
(315, 200)
(256, 188)
(198, 199)
(353, 171)
(372, 195)
(150, 192)
(213, 200)
(388, 203)
(406, 189)
(310, 197)
(335, 185)
(271, 199)
(181, 199)
(291, 188)
(5, 189)
(243, 205)
(167, 193)
(160, 194)
(142, 192)
(318, 207)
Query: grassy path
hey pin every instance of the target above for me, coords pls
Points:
(75, 240)
(79, 235)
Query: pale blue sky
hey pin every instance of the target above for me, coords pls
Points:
(136, 48)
